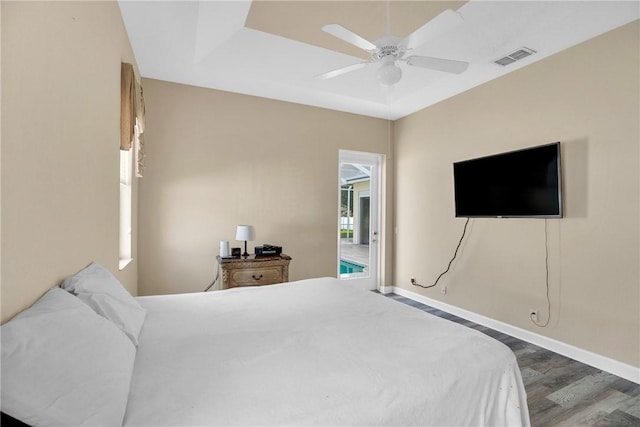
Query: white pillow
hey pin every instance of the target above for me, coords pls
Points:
(100, 290)
(64, 365)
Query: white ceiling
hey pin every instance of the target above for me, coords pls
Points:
(210, 44)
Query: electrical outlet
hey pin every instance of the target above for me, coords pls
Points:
(443, 290)
(533, 314)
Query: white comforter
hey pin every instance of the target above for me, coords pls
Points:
(316, 352)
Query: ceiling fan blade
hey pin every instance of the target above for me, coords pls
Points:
(342, 70)
(438, 25)
(349, 36)
(439, 64)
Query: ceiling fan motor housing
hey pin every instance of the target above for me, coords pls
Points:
(385, 52)
(387, 46)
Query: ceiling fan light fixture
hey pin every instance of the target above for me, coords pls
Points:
(388, 74)
(388, 50)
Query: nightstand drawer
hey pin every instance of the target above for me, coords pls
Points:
(256, 276)
(254, 271)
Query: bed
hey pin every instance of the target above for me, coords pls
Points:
(311, 352)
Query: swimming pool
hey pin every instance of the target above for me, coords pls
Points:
(348, 267)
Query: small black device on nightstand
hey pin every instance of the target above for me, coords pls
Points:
(268, 250)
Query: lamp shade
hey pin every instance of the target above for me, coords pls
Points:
(246, 233)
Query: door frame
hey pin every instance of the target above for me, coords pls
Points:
(375, 160)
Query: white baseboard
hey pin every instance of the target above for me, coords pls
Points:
(604, 363)
(386, 289)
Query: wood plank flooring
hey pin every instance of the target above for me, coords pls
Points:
(562, 392)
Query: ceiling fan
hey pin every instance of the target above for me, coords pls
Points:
(390, 50)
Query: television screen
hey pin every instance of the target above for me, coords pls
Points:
(523, 183)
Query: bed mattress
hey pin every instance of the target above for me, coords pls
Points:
(315, 352)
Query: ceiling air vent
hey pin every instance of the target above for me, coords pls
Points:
(515, 56)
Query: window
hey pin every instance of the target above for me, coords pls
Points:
(126, 184)
(132, 118)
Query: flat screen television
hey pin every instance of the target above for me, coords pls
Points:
(522, 184)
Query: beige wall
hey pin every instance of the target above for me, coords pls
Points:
(217, 159)
(586, 97)
(60, 142)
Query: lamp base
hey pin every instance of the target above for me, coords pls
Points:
(245, 254)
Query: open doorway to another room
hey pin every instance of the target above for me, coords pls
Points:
(358, 252)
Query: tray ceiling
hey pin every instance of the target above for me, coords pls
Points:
(274, 49)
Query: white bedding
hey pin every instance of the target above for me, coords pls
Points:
(315, 352)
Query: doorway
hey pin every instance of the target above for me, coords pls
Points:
(359, 219)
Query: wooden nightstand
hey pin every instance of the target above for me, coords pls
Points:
(254, 271)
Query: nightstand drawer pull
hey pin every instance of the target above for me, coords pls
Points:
(256, 278)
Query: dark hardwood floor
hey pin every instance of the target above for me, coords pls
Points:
(562, 391)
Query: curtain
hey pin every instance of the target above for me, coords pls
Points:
(127, 106)
(140, 125)
(132, 116)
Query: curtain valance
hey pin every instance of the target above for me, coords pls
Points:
(132, 115)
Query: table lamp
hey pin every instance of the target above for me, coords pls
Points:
(246, 233)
